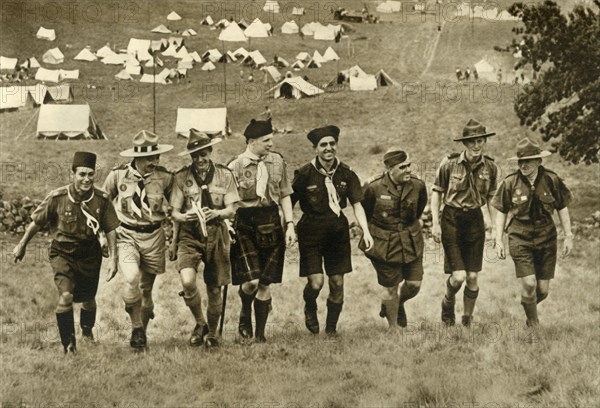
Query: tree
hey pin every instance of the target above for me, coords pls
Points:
(563, 101)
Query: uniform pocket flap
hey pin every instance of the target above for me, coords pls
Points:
(266, 228)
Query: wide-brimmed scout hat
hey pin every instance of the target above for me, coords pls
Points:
(528, 149)
(198, 141)
(395, 156)
(145, 143)
(472, 130)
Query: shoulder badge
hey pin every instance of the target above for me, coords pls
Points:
(60, 191)
(375, 178)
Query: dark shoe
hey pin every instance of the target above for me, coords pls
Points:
(245, 325)
(467, 320)
(402, 321)
(211, 342)
(382, 311)
(147, 315)
(198, 334)
(71, 347)
(87, 334)
(138, 338)
(311, 320)
(448, 317)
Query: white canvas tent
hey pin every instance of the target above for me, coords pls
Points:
(326, 33)
(173, 16)
(68, 74)
(294, 87)
(195, 56)
(271, 74)
(8, 64)
(363, 83)
(213, 55)
(308, 29)
(212, 121)
(30, 63)
(233, 32)
(162, 29)
(383, 79)
(85, 55)
(298, 65)
(123, 75)
(189, 32)
(330, 55)
(207, 21)
(67, 122)
(303, 56)
(14, 97)
(485, 70)
(256, 30)
(241, 52)
(318, 57)
(389, 7)
(104, 52)
(209, 66)
(271, 6)
(298, 11)
(280, 62)
(150, 78)
(61, 94)
(313, 64)
(139, 48)
(115, 59)
(290, 27)
(255, 59)
(53, 56)
(133, 70)
(47, 75)
(46, 34)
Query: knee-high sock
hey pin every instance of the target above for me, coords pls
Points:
(261, 314)
(310, 297)
(213, 313)
(134, 308)
(333, 315)
(451, 290)
(66, 328)
(408, 292)
(391, 310)
(469, 298)
(530, 307)
(194, 303)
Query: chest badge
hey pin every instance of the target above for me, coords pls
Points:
(122, 187)
(384, 214)
(248, 174)
(188, 183)
(69, 208)
(518, 191)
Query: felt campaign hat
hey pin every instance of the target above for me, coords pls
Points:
(198, 141)
(145, 143)
(472, 130)
(528, 149)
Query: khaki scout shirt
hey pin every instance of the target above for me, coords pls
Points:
(245, 167)
(516, 195)
(66, 220)
(222, 189)
(466, 185)
(388, 205)
(121, 183)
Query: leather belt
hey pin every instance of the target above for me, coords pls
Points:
(144, 229)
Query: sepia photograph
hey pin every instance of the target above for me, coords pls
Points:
(299, 203)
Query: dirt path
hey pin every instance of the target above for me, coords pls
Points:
(430, 49)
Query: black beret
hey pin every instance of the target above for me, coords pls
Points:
(317, 134)
(84, 159)
(258, 128)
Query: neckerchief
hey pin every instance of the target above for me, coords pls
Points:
(536, 209)
(206, 199)
(332, 196)
(140, 199)
(262, 174)
(90, 220)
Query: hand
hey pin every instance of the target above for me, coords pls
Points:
(210, 214)
(172, 251)
(103, 245)
(368, 239)
(19, 251)
(436, 233)
(112, 269)
(567, 246)
(500, 252)
(290, 235)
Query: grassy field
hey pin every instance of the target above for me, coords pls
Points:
(495, 364)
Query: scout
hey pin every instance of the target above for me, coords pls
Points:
(466, 182)
(324, 186)
(204, 195)
(394, 202)
(529, 196)
(258, 254)
(76, 214)
(139, 191)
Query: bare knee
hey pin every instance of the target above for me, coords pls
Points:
(65, 299)
(316, 281)
(413, 284)
(472, 280)
(459, 277)
(528, 284)
(390, 292)
(89, 305)
(251, 286)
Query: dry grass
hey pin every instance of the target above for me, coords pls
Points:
(492, 365)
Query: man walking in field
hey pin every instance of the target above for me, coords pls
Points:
(465, 182)
(323, 187)
(204, 195)
(394, 202)
(140, 191)
(529, 196)
(258, 254)
(76, 214)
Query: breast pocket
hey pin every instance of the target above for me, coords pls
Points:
(124, 203)
(458, 182)
(548, 202)
(483, 183)
(156, 202)
(247, 189)
(315, 195)
(68, 223)
(217, 195)
(408, 208)
(384, 206)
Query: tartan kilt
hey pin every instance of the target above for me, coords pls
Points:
(259, 249)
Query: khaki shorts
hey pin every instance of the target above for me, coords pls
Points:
(145, 251)
(214, 252)
(389, 274)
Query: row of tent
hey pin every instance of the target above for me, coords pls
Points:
(15, 97)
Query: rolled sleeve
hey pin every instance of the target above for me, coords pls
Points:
(110, 185)
(493, 181)
(441, 178)
(110, 221)
(45, 212)
(355, 192)
(563, 195)
(501, 200)
(285, 187)
(232, 195)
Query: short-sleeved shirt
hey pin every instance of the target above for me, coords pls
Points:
(245, 167)
(223, 190)
(387, 204)
(309, 188)
(121, 184)
(466, 185)
(518, 197)
(66, 220)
